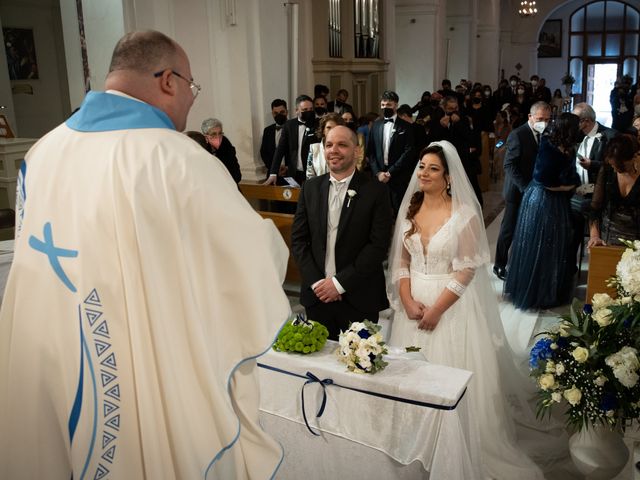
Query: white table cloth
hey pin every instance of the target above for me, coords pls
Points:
(411, 424)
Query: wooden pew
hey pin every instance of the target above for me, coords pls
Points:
(602, 266)
(259, 196)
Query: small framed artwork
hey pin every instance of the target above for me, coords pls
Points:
(21, 53)
(550, 39)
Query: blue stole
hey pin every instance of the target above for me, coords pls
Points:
(103, 112)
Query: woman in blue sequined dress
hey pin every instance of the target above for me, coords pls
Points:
(540, 269)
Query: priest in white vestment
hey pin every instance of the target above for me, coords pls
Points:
(143, 288)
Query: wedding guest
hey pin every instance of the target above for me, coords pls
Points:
(519, 160)
(221, 147)
(444, 304)
(350, 121)
(615, 207)
(540, 269)
(316, 162)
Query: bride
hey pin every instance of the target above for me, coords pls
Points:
(444, 303)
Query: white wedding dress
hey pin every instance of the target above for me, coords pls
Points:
(464, 337)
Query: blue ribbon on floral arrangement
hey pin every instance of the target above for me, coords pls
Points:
(323, 383)
(311, 378)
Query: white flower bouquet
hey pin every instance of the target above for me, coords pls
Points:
(362, 348)
(591, 358)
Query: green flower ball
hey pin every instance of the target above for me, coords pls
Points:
(301, 338)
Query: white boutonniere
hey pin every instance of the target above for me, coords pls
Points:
(393, 130)
(351, 193)
(598, 136)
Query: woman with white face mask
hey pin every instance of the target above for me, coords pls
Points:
(540, 270)
(522, 98)
(221, 146)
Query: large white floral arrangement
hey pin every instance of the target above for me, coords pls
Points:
(590, 360)
(362, 348)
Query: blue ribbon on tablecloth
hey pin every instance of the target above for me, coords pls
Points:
(323, 383)
(311, 378)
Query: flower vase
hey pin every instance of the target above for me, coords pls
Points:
(598, 452)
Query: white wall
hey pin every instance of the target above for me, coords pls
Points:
(49, 105)
(103, 26)
(418, 43)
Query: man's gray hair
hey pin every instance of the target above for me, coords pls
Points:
(143, 51)
(539, 106)
(584, 111)
(209, 124)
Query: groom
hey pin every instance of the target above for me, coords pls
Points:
(340, 237)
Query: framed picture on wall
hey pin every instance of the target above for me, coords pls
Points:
(21, 53)
(550, 39)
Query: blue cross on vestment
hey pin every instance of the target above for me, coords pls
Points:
(52, 252)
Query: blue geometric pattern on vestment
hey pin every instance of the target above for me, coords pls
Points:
(109, 387)
(102, 330)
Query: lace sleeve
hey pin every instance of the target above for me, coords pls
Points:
(472, 247)
(403, 268)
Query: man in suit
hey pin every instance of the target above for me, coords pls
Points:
(420, 139)
(271, 134)
(297, 134)
(519, 160)
(589, 159)
(591, 151)
(390, 149)
(340, 105)
(453, 126)
(340, 237)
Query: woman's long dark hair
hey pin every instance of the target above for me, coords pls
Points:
(416, 198)
(621, 149)
(565, 132)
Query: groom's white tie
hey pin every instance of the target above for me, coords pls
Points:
(336, 198)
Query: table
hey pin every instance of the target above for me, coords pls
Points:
(412, 423)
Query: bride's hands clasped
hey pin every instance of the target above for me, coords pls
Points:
(414, 309)
(430, 319)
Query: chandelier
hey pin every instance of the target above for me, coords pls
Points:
(527, 9)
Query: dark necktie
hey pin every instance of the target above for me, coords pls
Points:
(388, 120)
(278, 127)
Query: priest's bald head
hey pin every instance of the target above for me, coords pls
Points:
(153, 68)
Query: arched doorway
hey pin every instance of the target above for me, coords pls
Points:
(604, 36)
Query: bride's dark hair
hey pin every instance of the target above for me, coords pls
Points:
(416, 198)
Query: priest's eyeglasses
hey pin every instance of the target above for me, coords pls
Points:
(195, 88)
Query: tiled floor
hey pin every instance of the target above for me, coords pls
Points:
(520, 327)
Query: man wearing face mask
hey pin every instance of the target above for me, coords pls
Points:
(297, 134)
(519, 160)
(390, 149)
(454, 127)
(340, 105)
(320, 106)
(271, 134)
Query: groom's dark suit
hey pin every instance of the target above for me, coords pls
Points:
(362, 241)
